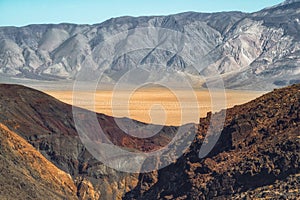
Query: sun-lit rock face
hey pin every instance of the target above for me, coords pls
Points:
(26, 173)
(256, 51)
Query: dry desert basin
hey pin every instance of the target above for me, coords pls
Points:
(157, 105)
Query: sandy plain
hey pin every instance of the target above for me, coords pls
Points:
(156, 105)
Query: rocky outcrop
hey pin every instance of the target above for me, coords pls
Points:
(258, 149)
(27, 174)
(283, 189)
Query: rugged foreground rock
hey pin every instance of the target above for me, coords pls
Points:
(258, 150)
(257, 155)
(48, 125)
(26, 174)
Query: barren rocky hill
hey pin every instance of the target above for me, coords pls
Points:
(26, 174)
(257, 153)
(250, 50)
(48, 125)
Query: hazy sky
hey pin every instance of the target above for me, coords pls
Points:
(23, 12)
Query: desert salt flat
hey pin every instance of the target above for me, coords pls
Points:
(157, 105)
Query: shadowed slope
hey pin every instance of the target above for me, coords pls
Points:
(48, 125)
(258, 147)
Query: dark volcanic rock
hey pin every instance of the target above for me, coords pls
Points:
(259, 148)
(287, 188)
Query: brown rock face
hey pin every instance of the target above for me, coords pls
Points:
(259, 148)
(26, 174)
(85, 189)
(48, 125)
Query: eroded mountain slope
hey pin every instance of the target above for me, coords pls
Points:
(258, 149)
(27, 174)
(259, 146)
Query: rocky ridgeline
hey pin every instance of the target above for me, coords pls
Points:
(258, 150)
(48, 125)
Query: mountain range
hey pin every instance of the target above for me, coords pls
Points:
(257, 50)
